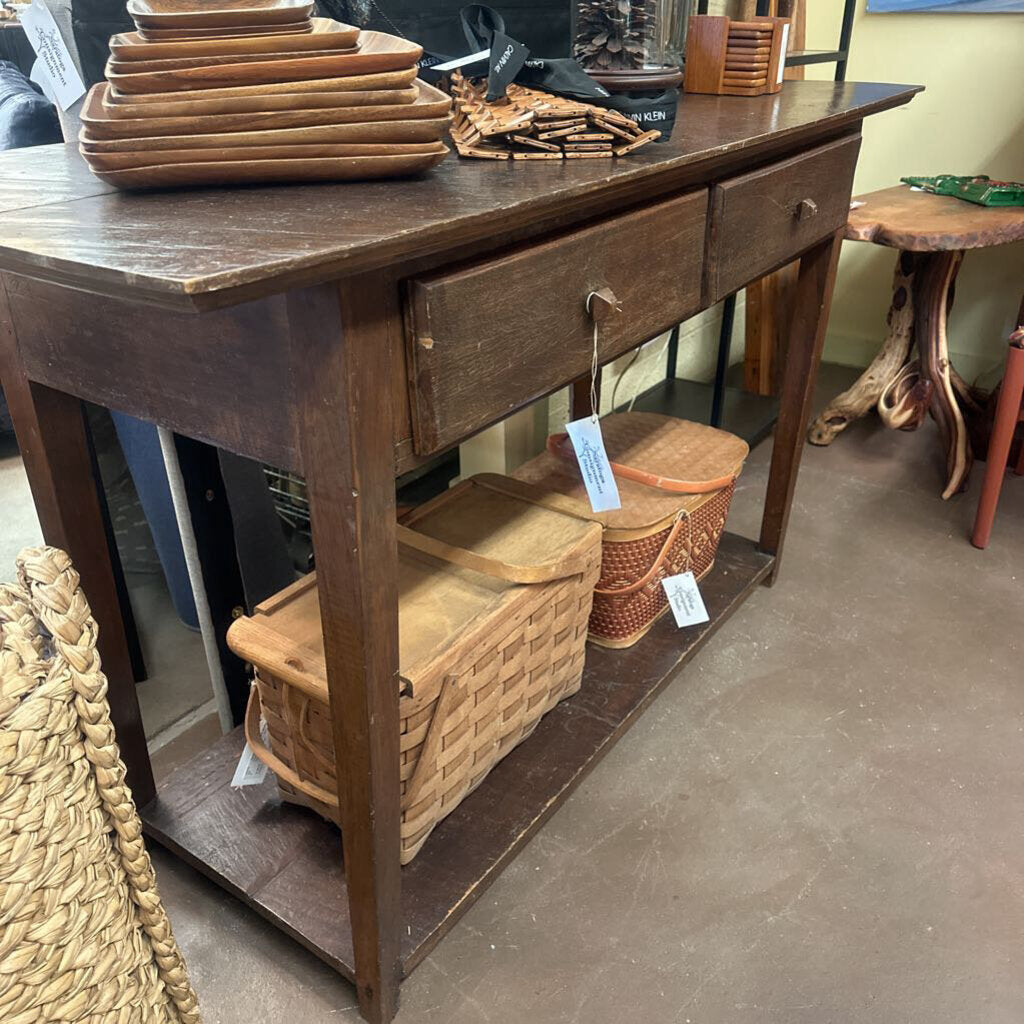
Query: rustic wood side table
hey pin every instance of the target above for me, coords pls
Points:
(347, 333)
(931, 232)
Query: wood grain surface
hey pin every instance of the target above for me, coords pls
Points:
(201, 251)
(923, 222)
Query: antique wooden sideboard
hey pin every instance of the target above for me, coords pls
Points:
(348, 333)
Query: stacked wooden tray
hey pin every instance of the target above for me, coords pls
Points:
(735, 58)
(532, 125)
(246, 91)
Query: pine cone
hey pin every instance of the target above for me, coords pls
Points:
(610, 34)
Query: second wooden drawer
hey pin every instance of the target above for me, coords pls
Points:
(768, 217)
(498, 334)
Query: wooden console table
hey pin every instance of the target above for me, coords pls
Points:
(348, 332)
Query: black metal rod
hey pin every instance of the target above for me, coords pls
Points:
(722, 363)
(801, 57)
(763, 7)
(845, 36)
(673, 354)
(702, 6)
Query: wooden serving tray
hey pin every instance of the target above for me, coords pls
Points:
(159, 35)
(346, 83)
(220, 14)
(325, 35)
(148, 158)
(252, 172)
(144, 67)
(431, 106)
(119, 108)
(430, 130)
(378, 51)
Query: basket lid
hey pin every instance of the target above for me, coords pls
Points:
(662, 446)
(504, 532)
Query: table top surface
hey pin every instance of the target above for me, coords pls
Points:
(206, 247)
(916, 221)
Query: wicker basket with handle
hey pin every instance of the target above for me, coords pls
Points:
(675, 480)
(494, 597)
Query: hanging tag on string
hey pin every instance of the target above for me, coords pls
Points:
(588, 444)
(684, 599)
(251, 771)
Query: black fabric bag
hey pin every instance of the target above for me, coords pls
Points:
(27, 117)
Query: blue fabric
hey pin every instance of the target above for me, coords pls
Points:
(27, 117)
(141, 446)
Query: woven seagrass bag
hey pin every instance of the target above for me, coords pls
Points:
(83, 935)
(675, 480)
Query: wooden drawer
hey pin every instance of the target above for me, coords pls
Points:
(489, 338)
(764, 219)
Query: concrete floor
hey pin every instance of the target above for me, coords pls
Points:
(820, 821)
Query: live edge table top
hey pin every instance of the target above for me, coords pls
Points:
(209, 248)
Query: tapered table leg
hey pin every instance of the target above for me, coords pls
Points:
(811, 305)
(342, 357)
(55, 446)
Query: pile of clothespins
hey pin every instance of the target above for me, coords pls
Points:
(532, 125)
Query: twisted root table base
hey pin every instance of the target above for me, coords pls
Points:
(905, 388)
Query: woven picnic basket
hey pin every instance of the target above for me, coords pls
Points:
(675, 481)
(83, 935)
(494, 597)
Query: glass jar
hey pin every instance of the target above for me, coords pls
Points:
(618, 36)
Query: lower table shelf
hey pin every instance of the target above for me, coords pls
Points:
(286, 863)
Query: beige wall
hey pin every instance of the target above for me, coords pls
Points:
(970, 120)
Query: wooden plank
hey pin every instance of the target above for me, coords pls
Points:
(811, 305)
(202, 248)
(306, 896)
(339, 334)
(56, 448)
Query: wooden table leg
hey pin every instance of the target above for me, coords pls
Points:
(54, 443)
(863, 396)
(343, 359)
(811, 305)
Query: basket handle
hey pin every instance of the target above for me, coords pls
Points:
(653, 571)
(557, 446)
(570, 565)
(273, 762)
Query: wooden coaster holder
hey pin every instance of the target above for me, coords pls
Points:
(727, 57)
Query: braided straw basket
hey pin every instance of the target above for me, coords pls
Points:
(494, 596)
(675, 480)
(83, 935)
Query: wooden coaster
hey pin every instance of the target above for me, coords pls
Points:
(746, 77)
(745, 52)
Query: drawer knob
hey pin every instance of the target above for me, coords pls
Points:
(602, 303)
(806, 209)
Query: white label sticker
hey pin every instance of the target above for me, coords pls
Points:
(54, 63)
(588, 444)
(782, 52)
(685, 600)
(251, 771)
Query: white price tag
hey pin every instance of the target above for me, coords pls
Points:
(685, 600)
(782, 55)
(588, 444)
(251, 771)
(53, 64)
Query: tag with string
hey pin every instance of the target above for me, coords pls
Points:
(588, 444)
(682, 591)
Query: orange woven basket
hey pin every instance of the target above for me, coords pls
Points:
(676, 481)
